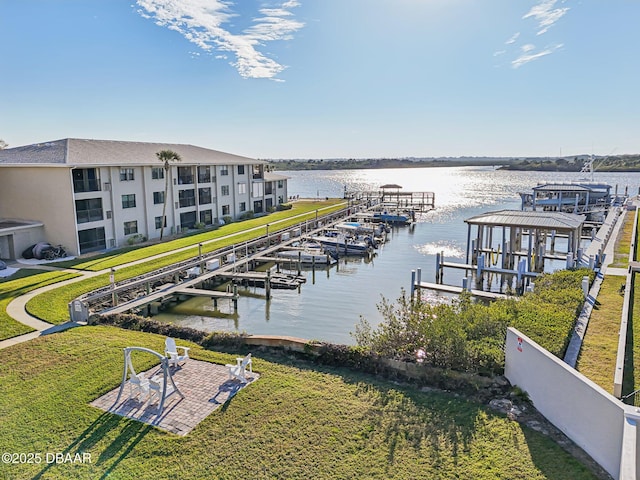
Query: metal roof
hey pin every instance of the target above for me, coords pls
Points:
(537, 219)
(79, 152)
(551, 187)
(272, 177)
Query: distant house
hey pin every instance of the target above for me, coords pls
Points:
(93, 195)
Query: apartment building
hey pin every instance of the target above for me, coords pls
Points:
(93, 195)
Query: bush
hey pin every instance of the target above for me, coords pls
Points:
(285, 206)
(247, 215)
(198, 225)
(227, 219)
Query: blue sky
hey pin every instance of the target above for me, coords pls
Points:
(326, 78)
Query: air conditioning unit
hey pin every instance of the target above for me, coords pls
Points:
(107, 186)
(111, 243)
(109, 213)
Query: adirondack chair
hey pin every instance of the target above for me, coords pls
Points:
(239, 370)
(171, 350)
(138, 386)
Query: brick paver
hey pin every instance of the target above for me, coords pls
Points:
(205, 387)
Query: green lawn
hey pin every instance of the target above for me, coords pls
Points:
(18, 284)
(296, 421)
(623, 242)
(597, 359)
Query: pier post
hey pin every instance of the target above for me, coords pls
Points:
(299, 262)
(438, 260)
(465, 284)
(419, 276)
(413, 282)
(235, 297)
(200, 257)
(112, 280)
(267, 284)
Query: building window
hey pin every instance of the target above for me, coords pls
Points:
(243, 206)
(126, 174)
(157, 173)
(188, 219)
(131, 227)
(257, 171)
(187, 198)
(224, 190)
(159, 222)
(185, 175)
(158, 198)
(86, 180)
(242, 188)
(224, 170)
(240, 169)
(91, 240)
(204, 174)
(225, 210)
(206, 217)
(257, 206)
(257, 189)
(129, 201)
(204, 195)
(280, 183)
(268, 188)
(89, 210)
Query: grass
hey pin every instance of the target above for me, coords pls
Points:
(623, 242)
(18, 284)
(295, 422)
(597, 360)
(52, 306)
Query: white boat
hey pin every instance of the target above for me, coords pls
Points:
(343, 244)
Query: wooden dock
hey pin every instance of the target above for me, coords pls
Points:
(458, 290)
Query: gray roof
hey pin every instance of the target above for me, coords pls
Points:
(537, 219)
(273, 177)
(554, 187)
(79, 152)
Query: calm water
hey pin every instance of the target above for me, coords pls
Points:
(330, 304)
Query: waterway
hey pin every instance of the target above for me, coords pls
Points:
(332, 301)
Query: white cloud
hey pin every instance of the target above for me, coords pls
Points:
(528, 54)
(204, 23)
(513, 39)
(546, 15)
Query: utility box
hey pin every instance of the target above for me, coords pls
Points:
(295, 232)
(231, 258)
(193, 272)
(212, 265)
(284, 237)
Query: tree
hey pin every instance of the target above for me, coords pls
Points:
(166, 157)
(3, 144)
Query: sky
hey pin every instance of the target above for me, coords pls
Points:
(326, 78)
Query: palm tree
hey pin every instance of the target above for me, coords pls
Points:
(166, 157)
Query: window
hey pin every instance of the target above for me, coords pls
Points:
(126, 174)
(187, 198)
(242, 188)
(204, 174)
(89, 210)
(268, 188)
(131, 227)
(86, 180)
(129, 201)
(204, 195)
(225, 209)
(206, 217)
(257, 189)
(240, 169)
(159, 222)
(224, 170)
(188, 219)
(257, 206)
(158, 198)
(185, 175)
(224, 190)
(243, 206)
(257, 171)
(280, 183)
(91, 240)
(157, 173)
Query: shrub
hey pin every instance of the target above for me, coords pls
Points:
(247, 215)
(227, 219)
(285, 206)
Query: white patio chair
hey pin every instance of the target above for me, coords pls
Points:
(171, 350)
(239, 370)
(139, 386)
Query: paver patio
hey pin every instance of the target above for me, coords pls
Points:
(205, 387)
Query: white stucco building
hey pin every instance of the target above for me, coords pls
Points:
(92, 195)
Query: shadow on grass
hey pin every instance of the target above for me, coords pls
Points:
(628, 374)
(130, 435)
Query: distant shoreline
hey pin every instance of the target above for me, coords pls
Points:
(620, 163)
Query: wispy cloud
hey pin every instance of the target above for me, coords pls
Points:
(207, 23)
(546, 15)
(528, 54)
